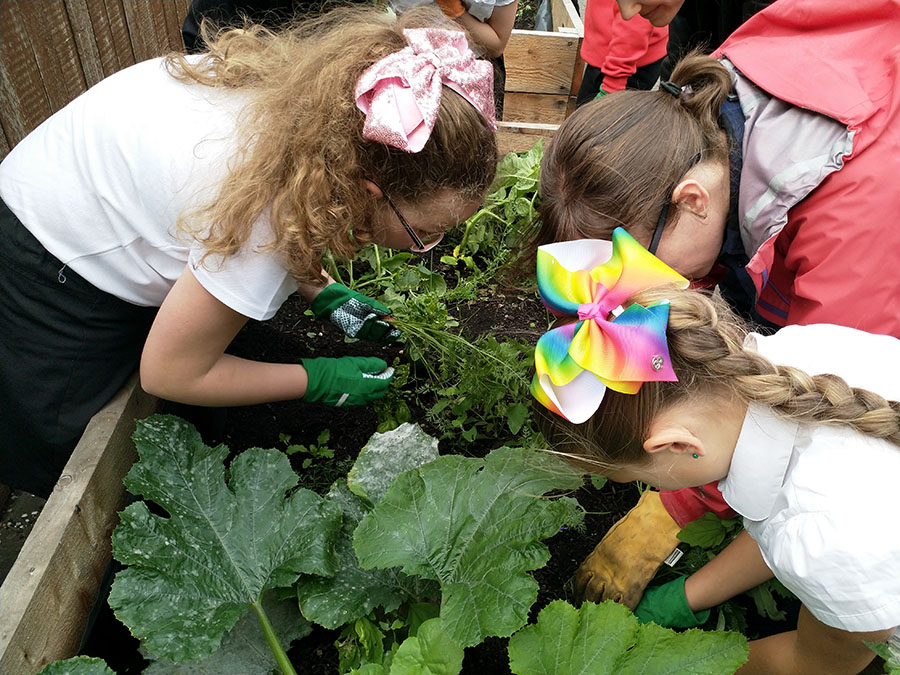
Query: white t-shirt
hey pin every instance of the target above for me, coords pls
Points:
(101, 184)
(821, 501)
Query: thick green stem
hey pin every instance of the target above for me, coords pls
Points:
(280, 655)
(469, 223)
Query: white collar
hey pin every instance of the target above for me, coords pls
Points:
(760, 460)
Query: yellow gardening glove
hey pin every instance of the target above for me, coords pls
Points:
(626, 559)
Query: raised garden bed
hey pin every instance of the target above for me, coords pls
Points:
(543, 74)
(52, 586)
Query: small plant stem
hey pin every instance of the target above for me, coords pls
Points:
(377, 263)
(280, 656)
(333, 269)
(469, 223)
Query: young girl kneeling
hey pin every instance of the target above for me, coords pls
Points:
(665, 385)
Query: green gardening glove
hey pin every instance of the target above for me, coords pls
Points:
(600, 93)
(349, 380)
(667, 606)
(356, 315)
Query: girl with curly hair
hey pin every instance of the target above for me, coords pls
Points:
(149, 219)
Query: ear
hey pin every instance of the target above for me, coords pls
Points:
(674, 439)
(371, 187)
(690, 194)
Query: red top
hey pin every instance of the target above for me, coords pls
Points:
(618, 47)
(836, 260)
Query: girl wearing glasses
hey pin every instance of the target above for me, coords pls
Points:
(767, 169)
(148, 220)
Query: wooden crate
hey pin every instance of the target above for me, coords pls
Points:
(48, 594)
(543, 74)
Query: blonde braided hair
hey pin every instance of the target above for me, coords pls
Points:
(706, 346)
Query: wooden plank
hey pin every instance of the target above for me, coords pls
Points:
(146, 28)
(109, 16)
(521, 137)
(174, 18)
(54, 49)
(564, 15)
(25, 101)
(92, 63)
(540, 108)
(52, 586)
(540, 62)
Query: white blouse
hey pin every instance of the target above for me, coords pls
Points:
(822, 501)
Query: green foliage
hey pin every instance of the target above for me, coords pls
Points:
(244, 648)
(78, 665)
(507, 215)
(353, 592)
(475, 527)
(598, 481)
(707, 537)
(317, 450)
(431, 651)
(891, 659)
(193, 574)
(386, 456)
(710, 531)
(607, 638)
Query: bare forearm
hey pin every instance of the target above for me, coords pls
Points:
(231, 381)
(483, 35)
(736, 569)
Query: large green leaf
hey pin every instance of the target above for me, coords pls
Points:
(606, 638)
(78, 665)
(475, 526)
(353, 592)
(430, 652)
(193, 574)
(244, 649)
(385, 456)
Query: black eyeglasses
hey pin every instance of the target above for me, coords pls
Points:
(664, 214)
(418, 245)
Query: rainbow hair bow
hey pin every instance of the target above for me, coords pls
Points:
(607, 347)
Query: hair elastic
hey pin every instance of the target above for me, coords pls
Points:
(683, 93)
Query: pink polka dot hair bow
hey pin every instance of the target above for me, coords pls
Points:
(401, 94)
(607, 346)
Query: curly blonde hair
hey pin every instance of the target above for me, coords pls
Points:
(706, 348)
(300, 152)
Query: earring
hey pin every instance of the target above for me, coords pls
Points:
(695, 456)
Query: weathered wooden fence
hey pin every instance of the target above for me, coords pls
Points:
(53, 50)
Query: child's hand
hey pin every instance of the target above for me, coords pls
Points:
(667, 606)
(355, 314)
(452, 8)
(627, 557)
(349, 380)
